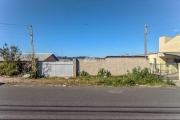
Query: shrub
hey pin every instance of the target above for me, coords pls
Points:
(102, 72)
(83, 73)
(29, 68)
(144, 76)
(8, 68)
(33, 73)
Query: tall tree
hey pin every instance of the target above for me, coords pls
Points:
(10, 54)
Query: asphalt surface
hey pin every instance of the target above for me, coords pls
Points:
(92, 103)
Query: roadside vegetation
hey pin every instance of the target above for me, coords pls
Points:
(10, 55)
(136, 77)
(12, 65)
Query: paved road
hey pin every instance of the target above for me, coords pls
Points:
(96, 103)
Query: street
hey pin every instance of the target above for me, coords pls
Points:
(93, 103)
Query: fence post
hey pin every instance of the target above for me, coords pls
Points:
(178, 71)
(74, 67)
(37, 67)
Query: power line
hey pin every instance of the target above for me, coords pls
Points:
(163, 23)
(164, 30)
(20, 27)
(13, 28)
(16, 33)
(14, 24)
(10, 29)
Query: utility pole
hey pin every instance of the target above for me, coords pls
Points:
(145, 40)
(32, 44)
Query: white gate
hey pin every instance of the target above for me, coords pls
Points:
(56, 69)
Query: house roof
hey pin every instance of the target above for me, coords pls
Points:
(39, 56)
(125, 56)
(172, 53)
(166, 53)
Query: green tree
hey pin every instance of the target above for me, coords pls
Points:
(10, 54)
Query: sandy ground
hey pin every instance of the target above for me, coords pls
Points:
(6, 79)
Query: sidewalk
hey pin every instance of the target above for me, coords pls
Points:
(177, 82)
(5, 79)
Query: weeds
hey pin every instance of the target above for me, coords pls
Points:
(137, 76)
(102, 73)
(83, 74)
(8, 68)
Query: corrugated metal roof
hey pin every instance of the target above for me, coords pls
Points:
(124, 56)
(39, 56)
(161, 54)
(173, 53)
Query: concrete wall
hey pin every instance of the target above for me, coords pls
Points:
(116, 66)
(167, 44)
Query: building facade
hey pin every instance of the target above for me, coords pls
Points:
(168, 44)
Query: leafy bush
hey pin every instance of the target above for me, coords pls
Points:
(8, 68)
(137, 76)
(29, 68)
(33, 73)
(144, 76)
(127, 81)
(83, 73)
(102, 72)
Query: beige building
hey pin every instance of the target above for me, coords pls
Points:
(168, 56)
(169, 51)
(164, 57)
(168, 44)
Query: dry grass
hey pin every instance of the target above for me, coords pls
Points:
(54, 81)
(82, 81)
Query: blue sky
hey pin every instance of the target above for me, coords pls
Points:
(96, 28)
